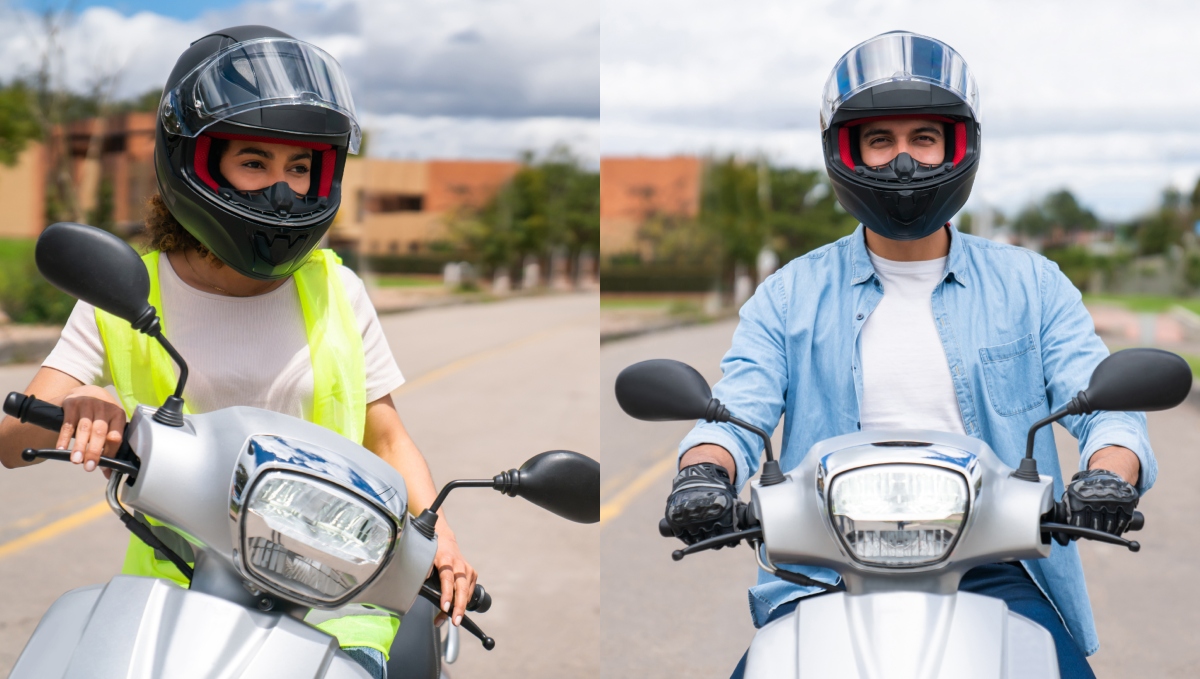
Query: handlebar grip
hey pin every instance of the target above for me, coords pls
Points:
(480, 601)
(1137, 522)
(30, 409)
(664, 529)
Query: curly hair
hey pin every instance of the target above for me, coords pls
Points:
(166, 234)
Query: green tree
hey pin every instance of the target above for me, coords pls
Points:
(1055, 216)
(804, 212)
(551, 202)
(17, 123)
(731, 207)
(1165, 226)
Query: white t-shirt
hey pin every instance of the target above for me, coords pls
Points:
(247, 351)
(906, 377)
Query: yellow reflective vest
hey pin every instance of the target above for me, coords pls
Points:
(142, 372)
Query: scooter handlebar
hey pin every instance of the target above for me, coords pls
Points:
(30, 409)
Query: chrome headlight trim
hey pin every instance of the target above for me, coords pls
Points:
(264, 454)
(278, 546)
(887, 453)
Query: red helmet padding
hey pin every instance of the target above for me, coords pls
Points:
(328, 161)
(200, 161)
(204, 143)
(960, 141)
(960, 136)
(844, 146)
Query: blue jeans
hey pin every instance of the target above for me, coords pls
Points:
(371, 660)
(1011, 583)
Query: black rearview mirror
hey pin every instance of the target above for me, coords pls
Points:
(661, 389)
(95, 266)
(1140, 379)
(563, 482)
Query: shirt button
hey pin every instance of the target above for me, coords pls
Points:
(858, 424)
(859, 317)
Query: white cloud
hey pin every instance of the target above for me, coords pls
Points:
(463, 77)
(1096, 96)
(404, 136)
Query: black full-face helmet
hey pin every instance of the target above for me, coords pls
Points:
(901, 75)
(258, 84)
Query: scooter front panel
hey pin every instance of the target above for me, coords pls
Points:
(147, 628)
(902, 635)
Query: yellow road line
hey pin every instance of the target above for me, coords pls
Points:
(35, 519)
(67, 523)
(85, 516)
(621, 499)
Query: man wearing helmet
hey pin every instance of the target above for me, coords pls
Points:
(253, 132)
(909, 324)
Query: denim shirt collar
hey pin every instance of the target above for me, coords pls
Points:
(861, 269)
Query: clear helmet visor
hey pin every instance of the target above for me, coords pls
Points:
(258, 74)
(898, 56)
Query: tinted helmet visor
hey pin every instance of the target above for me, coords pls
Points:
(258, 74)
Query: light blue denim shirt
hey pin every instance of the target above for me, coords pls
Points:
(1019, 343)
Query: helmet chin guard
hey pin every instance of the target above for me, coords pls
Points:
(901, 75)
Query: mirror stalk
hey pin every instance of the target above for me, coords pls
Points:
(1028, 470)
(426, 523)
(170, 412)
(771, 474)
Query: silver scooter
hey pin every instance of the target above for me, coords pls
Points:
(950, 504)
(285, 522)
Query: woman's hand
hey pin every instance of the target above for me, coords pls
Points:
(457, 576)
(96, 420)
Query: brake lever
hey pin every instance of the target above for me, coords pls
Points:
(434, 597)
(123, 466)
(1091, 534)
(718, 541)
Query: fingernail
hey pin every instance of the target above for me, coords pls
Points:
(91, 464)
(77, 457)
(446, 607)
(457, 620)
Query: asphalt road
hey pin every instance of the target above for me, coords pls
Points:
(691, 618)
(489, 386)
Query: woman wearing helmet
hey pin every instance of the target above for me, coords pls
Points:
(909, 324)
(252, 136)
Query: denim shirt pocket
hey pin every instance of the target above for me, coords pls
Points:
(1014, 376)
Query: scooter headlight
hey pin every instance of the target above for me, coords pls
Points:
(313, 539)
(898, 515)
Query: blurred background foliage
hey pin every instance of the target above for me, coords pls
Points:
(551, 205)
(25, 296)
(747, 206)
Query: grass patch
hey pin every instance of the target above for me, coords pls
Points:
(1151, 304)
(408, 281)
(24, 295)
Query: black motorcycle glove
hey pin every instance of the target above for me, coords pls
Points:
(702, 504)
(1101, 500)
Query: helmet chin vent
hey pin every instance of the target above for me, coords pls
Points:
(279, 248)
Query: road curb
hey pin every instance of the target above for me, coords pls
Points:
(27, 343)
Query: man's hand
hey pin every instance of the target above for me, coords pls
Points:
(702, 504)
(1101, 500)
(457, 576)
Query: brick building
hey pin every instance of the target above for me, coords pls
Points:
(633, 190)
(388, 206)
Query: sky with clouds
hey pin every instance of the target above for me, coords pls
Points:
(1095, 95)
(431, 78)
(1098, 96)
